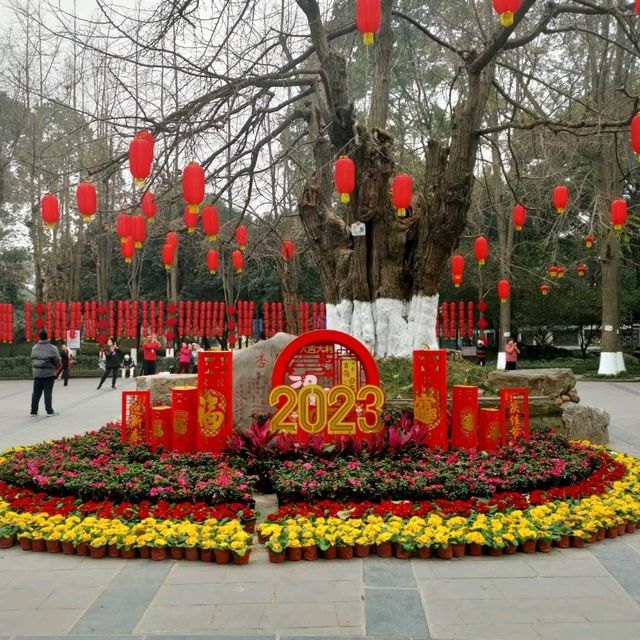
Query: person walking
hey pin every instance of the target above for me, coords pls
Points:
(511, 354)
(481, 353)
(150, 350)
(45, 361)
(112, 357)
(184, 361)
(65, 364)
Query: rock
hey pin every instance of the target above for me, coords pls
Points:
(160, 385)
(539, 382)
(565, 398)
(558, 402)
(585, 423)
(573, 396)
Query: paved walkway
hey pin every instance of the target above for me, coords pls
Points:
(590, 594)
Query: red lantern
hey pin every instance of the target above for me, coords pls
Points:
(506, 10)
(123, 227)
(544, 289)
(140, 159)
(588, 242)
(238, 261)
(618, 213)
(560, 272)
(172, 239)
(190, 219)
(504, 290)
(482, 306)
(193, 186)
(482, 324)
(146, 135)
(242, 237)
(481, 249)
(402, 191)
(128, 249)
(168, 255)
(368, 17)
(149, 207)
(582, 269)
(635, 128)
(345, 177)
(210, 222)
(87, 200)
(50, 210)
(637, 3)
(287, 250)
(138, 230)
(519, 217)
(212, 261)
(560, 198)
(457, 269)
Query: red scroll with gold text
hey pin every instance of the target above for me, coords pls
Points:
(514, 415)
(430, 396)
(215, 401)
(160, 428)
(490, 433)
(464, 417)
(184, 418)
(136, 410)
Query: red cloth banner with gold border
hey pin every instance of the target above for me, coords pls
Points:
(160, 428)
(464, 417)
(430, 396)
(514, 415)
(215, 400)
(184, 418)
(136, 410)
(490, 432)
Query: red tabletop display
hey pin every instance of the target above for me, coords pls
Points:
(135, 417)
(161, 428)
(464, 412)
(514, 415)
(430, 396)
(490, 433)
(184, 418)
(215, 401)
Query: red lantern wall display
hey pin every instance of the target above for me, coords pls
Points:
(287, 250)
(402, 192)
(210, 222)
(506, 10)
(128, 249)
(519, 217)
(123, 227)
(190, 219)
(368, 17)
(344, 175)
(212, 261)
(168, 255)
(140, 159)
(544, 289)
(470, 319)
(50, 210)
(560, 198)
(138, 230)
(588, 242)
(581, 269)
(149, 206)
(618, 213)
(481, 249)
(242, 237)
(635, 130)
(504, 289)
(457, 269)
(87, 200)
(193, 186)
(237, 260)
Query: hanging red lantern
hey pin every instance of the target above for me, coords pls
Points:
(481, 249)
(212, 261)
(238, 261)
(138, 230)
(635, 128)
(506, 9)
(482, 306)
(242, 237)
(149, 207)
(588, 242)
(560, 272)
(344, 174)
(618, 213)
(50, 210)
(287, 250)
(457, 269)
(482, 324)
(504, 289)
(140, 159)
(128, 249)
(168, 255)
(172, 239)
(193, 186)
(87, 200)
(553, 271)
(210, 222)
(544, 289)
(519, 217)
(368, 18)
(190, 219)
(582, 269)
(402, 191)
(145, 134)
(560, 198)
(123, 227)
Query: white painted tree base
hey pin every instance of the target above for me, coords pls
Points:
(388, 327)
(611, 363)
(502, 361)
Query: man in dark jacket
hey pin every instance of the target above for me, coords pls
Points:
(45, 361)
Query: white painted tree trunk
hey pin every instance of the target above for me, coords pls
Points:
(611, 363)
(388, 327)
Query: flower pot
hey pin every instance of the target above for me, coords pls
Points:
(144, 552)
(528, 546)
(7, 541)
(128, 554)
(331, 553)
(562, 542)
(630, 527)
(494, 551)
(577, 542)
(459, 549)
(207, 555)
(401, 553)
(191, 553)
(82, 549)
(474, 549)
(67, 548)
(25, 544)
(361, 550)
(385, 550)
(98, 552)
(53, 546)
(222, 556)
(622, 529)
(592, 538)
(241, 559)
(602, 533)
(294, 554)
(113, 551)
(38, 544)
(510, 548)
(424, 553)
(445, 553)
(176, 553)
(310, 553)
(544, 546)
(276, 558)
(345, 552)
(612, 532)
(261, 537)
(249, 525)
(158, 553)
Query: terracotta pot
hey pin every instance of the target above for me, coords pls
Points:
(612, 532)
(276, 558)
(191, 553)
(261, 538)
(563, 542)
(373, 549)
(222, 556)
(445, 553)
(158, 553)
(510, 548)
(424, 553)
(361, 550)
(593, 538)
(244, 559)
(207, 555)
(128, 554)
(529, 546)
(7, 542)
(630, 527)
(494, 551)
(53, 546)
(98, 552)
(622, 529)
(385, 550)
(331, 553)
(345, 552)
(176, 553)
(602, 534)
(577, 542)
(113, 551)
(82, 549)
(459, 549)
(474, 549)
(544, 546)
(401, 553)
(68, 548)
(144, 552)
(249, 525)
(310, 553)
(38, 544)
(25, 544)
(294, 554)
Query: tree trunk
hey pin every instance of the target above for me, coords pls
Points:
(611, 360)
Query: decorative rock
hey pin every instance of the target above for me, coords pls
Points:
(558, 402)
(161, 385)
(573, 396)
(539, 382)
(585, 423)
(565, 398)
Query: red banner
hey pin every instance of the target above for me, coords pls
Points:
(430, 396)
(464, 417)
(514, 415)
(490, 434)
(160, 428)
(184, 418)
(215, 402)
(136, 410)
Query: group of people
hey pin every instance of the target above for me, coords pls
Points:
(114, 360)
(188, 357)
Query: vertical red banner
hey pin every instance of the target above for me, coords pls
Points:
(136, 411)
(430, 396)
(184, 418)
(215, 402)
(490, 432)
(464, 417)
(160, 428)
(514, 415)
